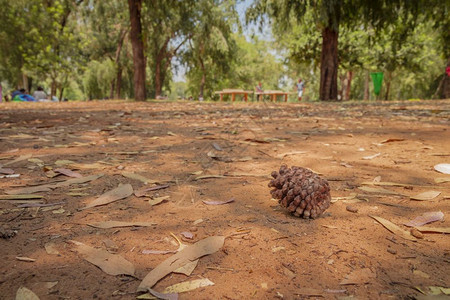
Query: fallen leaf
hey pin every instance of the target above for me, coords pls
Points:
(27, 259)
(359, 277)
(68, 172)
(78, 180)
(6, 171)
(121, 192)
(385, 183)
(188, 268)
(426, 218)
(218, 202)
(29, 190)
(162, 296)
(111, 247)
(157, 200)
(112, 264)
(141, 192)
(309, 292)
(391, 140)
(209, 176)
(118, 224)
(50, 248)
(50, 284)
(198, 221)
(188, 235)
(421, 274)
(188, 286)
(282, 155)
(217, 147)
(378, 190)
(138, 177)
(371, 156)
(63, 162)
(201, 248)
(433, 229)
(20, 158)
(394, 228)
(20, 197)
(58, 211)
(145, 251)
(443, 168)
(25, 294)
(442, 179)
(429, 195)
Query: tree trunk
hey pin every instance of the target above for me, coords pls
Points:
(137, 44)
(388, 85)
(348, 86)
(112, 88)
(329, 65)
(366, 86)
(203, 80)
(53, 89)
(118, 82)
(61, 93)
(25, 82)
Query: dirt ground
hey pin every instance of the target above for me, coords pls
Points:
(374, 155)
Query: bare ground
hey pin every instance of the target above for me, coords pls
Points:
(267, 252)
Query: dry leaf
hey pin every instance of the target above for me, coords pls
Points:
(218, 202)
(27, 259)
(209, 176)
(25, 294)
(282, 155)
(443, 168)
(111, 264)
(391, 140)
(201, 248)
(141, 192)
(121, 192)
(426, 218)
(188, 268)
(29, 190)
(394, 228)
(385, 183)
(187, 235)
(359, 277)
(6, 171)
(442, 179)
(429, 195)
(78, 180)
(378, 190)
(20, 197)
(63, 162)
(163, 296)
(157, 200)
(158, 251)
(371, 156)
(138, 177)
(421, 274)
(20, 158)
(433, 229)
(118, 224)
(309, 292)
(68, 172)
(188, 286)
(51, 249)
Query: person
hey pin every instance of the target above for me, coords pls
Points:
(259, 91)
(39, 94)
(300, 88)
(21, 95)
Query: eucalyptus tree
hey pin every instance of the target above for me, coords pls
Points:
(137, 41)
(168, 26)
(330, 17)
(212, 46)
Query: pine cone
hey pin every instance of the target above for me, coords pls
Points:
(303, 192)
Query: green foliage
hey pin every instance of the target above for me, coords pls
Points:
(97, 78)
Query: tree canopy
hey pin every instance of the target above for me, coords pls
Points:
(138, 49)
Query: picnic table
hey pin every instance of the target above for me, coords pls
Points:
(273, 94)
(233, 93)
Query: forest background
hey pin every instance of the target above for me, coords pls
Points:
(84, 50)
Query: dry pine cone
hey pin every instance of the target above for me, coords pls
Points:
(303, 192)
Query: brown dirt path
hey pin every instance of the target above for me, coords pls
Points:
(267, 253)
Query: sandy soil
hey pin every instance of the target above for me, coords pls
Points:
(267, 253)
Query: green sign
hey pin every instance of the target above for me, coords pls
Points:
(377, 79)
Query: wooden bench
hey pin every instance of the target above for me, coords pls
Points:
(233, 93)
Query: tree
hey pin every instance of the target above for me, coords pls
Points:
(211, 44)
(331, 16)
(135, 7)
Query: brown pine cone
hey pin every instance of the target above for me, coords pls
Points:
(303, 192)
